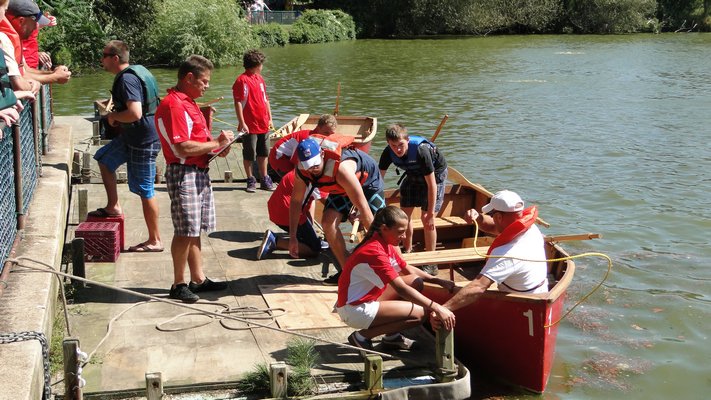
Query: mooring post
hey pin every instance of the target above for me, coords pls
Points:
(121, 177)
(373, 372)
(78, 267)
(72, 387)
(86, 167)
(83, 204)
(154, 386)
(228, 176)
(278, 379)
(76, 164)
(444, 351)
(96, 134)
(159, 176)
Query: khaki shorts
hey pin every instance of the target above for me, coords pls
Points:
(360, 316)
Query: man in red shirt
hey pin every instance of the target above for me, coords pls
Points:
(255, 117)
(187, 145)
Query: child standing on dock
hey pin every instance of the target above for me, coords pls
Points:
(255, 117)
(375, 279)
(425, 173)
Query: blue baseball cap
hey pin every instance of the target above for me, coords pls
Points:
(309, 153)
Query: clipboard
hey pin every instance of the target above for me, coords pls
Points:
(213, 154)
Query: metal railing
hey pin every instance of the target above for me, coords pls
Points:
(276, 17)
(21, 148)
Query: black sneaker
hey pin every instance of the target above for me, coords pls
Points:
(366, 344)
(332, 280)
(182, 293)
(207, 286)
(430, 269)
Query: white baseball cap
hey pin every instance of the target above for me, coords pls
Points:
(504, 201)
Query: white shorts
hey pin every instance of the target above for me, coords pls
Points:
(360, 316)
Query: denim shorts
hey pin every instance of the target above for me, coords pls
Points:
(140, 164)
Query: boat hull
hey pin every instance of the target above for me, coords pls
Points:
(363, 129)
(508, 335)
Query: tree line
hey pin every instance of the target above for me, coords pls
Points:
(401, 18)
(164, 32)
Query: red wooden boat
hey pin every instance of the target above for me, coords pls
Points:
(363, 129)
(508, 336)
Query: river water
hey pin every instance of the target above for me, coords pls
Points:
(607, 134)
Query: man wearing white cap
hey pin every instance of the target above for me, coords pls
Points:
(518, 240)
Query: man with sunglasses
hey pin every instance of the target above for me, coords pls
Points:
(516, 258)
(20, 21)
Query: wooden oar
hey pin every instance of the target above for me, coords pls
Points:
(211, 102)
(353, 236)
(338, 96)
(439, 128)
(579, 236)
(457, 177)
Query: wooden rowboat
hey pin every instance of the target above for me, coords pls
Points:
(362, 128)
(508, 336)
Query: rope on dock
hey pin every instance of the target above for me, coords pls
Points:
(225, 316)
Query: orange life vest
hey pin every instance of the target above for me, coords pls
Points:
(334, 148)
(516, 228)
(7, 28)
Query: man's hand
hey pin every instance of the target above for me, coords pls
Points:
(225, 138)
(471, 216)
(293, 246)
(62, 74)
(45, 59)
(441, 317)
(10, 116)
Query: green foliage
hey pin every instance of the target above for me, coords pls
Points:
(256, 380)
(611, 16)
(215, 29)
(73, 42)
(301, 356)
(127, 20)
(271, 35)
(320, 26)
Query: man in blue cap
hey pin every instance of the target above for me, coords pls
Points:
(350, 177)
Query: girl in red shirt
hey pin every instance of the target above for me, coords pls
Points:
(375, 279)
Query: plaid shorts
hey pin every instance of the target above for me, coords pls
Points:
(140, 164)
(413, 192)
(342, 204)
(191, 202)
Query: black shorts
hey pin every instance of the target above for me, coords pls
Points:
(413, 192)
(255, 145)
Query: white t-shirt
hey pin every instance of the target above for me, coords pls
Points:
(12, 68)
(519, 275)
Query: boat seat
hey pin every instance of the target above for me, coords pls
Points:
(447, 256)
(441, 222)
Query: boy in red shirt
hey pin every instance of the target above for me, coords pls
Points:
(255, 117)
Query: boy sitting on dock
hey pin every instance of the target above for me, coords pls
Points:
(422, 185)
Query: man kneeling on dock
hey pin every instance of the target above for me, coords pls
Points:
(516, 258)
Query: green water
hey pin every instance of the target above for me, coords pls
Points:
(607, 134)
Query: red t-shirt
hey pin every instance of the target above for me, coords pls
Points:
(282, 157)
(278, 203)
(368, 271)
(250, 90)
(179, 119)
(30, 49)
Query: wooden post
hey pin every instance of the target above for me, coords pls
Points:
(76, 164)
(95, 135)
(278, 379)
(83, 204)
(86, 168)
(373, 372)
(444, 351)
(78, 267)
(154, 386)
(228, 176)
(72, 391)
(121, 177)
(159, 176)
